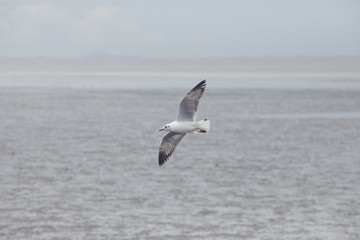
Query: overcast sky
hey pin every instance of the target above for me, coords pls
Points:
(179, 28)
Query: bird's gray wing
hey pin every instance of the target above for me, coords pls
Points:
(168, 146)
(188, 106)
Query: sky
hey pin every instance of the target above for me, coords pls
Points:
(174, 28)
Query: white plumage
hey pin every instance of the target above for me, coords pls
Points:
(185, 123)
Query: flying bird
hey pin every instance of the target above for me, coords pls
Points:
(184, 124)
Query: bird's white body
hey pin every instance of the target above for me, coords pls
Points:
(182, 127)
(188, 127)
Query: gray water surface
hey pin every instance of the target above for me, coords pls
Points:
(276, 164)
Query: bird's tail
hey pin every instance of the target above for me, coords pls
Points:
(203, 125)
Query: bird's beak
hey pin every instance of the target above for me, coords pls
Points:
(161, 130)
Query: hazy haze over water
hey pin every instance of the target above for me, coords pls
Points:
(291, 72)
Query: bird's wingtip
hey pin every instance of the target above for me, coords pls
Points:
(162, 159)
(200, 85)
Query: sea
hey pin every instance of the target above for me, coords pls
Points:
(79, 144)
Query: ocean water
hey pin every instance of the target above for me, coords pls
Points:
(80, 162)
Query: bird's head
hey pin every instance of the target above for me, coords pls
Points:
(166, 128)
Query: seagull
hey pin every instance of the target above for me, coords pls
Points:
(184, 124)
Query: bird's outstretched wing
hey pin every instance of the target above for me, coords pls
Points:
(188, 106)
(168, 146)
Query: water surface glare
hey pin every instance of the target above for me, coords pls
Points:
(276, 164)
